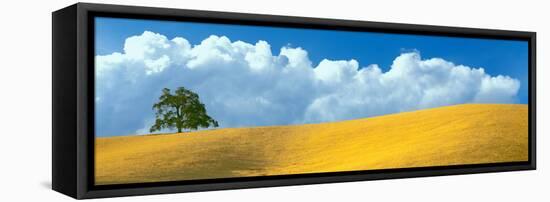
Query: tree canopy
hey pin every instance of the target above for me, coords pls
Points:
(181, 110)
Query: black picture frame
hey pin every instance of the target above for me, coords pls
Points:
(73, 104)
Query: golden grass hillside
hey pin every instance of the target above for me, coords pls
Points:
(461, 134)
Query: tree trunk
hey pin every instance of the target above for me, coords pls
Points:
(179, 130)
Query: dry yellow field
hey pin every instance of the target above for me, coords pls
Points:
(460, 134)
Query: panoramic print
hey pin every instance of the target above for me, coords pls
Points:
(181, 101)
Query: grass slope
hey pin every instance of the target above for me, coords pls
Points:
(461, 134)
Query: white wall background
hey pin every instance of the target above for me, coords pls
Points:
(25, 100)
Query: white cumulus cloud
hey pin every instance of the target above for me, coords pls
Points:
(245, 84)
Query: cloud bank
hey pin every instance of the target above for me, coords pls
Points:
(245, 84)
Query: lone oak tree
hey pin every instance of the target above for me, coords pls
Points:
(181, 110)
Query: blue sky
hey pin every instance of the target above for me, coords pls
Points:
(496, 57)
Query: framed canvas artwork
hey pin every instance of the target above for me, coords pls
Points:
(154, 100)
